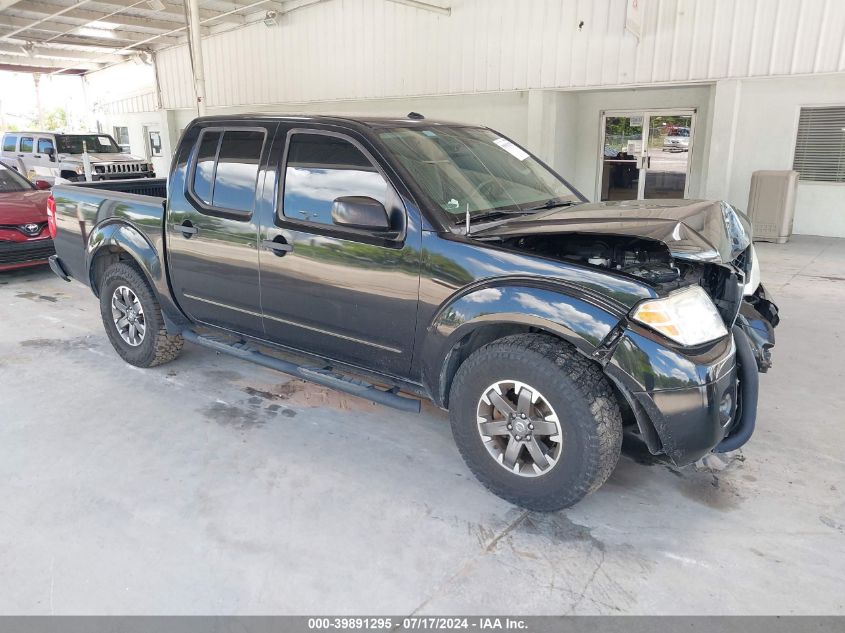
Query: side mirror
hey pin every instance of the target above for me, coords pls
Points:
(360, 212)
(42, 185)
(51, 152)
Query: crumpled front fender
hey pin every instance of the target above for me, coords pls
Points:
(577, 319)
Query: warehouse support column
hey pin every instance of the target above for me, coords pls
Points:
(195, 45)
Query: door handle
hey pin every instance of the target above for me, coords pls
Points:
(278, 245)
(36, 155)
(186, 229)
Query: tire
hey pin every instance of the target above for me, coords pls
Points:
(588, 421)
(156, 346)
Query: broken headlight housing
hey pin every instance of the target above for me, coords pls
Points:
(686, 316)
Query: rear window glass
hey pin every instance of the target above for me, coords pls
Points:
(9, 142)
(237, 170)
(227, 168)
(204, 172)
(26, 144)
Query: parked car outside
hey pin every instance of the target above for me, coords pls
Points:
(677, 140)
(24, 239)
(50, 156)
(405, 256)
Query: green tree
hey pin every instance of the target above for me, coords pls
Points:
(55, 119)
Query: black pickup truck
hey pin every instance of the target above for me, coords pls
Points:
(406, 258)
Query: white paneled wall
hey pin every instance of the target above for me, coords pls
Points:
(368, 49)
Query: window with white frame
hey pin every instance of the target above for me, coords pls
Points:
(820, 146)
(121, 135)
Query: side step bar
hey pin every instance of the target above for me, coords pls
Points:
(321, 376)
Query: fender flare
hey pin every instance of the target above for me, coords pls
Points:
(126, 238)
(562, 310)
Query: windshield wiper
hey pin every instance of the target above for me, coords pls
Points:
(495, 213)
(553, 204)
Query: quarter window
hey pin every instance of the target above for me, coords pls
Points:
(9, 142)
(321, 168)
(227, 169)
(26, 144)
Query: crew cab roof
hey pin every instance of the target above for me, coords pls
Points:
(367, 122)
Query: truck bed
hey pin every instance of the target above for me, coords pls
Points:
(82, 211)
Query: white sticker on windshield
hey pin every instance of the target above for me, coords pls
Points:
(511, 149)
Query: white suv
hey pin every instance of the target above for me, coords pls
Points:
(48, 156)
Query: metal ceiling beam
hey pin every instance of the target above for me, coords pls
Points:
(178, 12)
(59, 11)
(425, 6)
(46, 65)
(38, 53)
(86, 16)
(50, 30)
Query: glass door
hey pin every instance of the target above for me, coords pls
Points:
(666, 162)
(622, 152)
(645, 155)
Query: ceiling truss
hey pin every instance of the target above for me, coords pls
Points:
(76, 36)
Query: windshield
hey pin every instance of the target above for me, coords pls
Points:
(474, 169)
(96, 143)
(11, 181)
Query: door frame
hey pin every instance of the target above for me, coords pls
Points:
(646, 113)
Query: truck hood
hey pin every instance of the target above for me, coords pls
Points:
(102, 158)
(698, 230)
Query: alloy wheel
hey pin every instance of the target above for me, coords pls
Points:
(128, 316)
(519, 428)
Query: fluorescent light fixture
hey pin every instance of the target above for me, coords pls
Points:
(155, 5)
(102, 25)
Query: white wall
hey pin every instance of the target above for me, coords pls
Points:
(504, 111)
(755, 127)
(372, 49)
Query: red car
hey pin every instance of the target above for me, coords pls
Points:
(24, 237)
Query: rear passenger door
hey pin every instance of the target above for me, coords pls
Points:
(211, 227)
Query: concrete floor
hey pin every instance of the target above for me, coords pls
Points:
(209, 486)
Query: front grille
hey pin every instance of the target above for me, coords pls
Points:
(22, 252)
(20, 228)
(121, 168)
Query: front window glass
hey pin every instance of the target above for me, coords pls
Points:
(474, 169)
(44, 145)
(321, 168)
(95, 143)
(11, 181)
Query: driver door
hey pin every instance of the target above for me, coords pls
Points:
(346, 294)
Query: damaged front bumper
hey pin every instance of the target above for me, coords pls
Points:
(687, 403)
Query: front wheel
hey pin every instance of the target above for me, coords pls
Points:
(132, 318)
(537, 423)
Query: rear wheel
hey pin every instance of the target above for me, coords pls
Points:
(536, 422)
(132, 318)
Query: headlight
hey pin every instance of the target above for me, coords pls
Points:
(753, 275)
(80, 169)
(687, 316)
